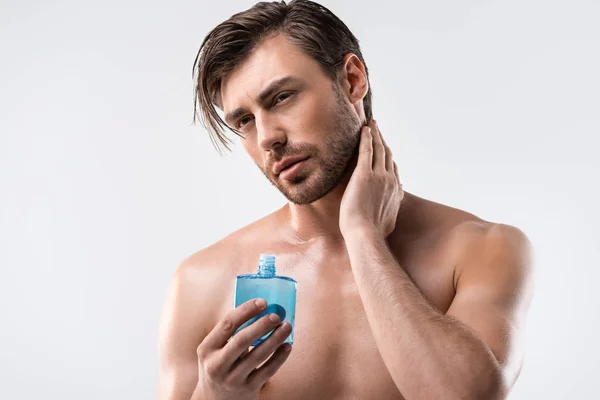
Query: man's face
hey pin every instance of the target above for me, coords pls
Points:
(304, 117)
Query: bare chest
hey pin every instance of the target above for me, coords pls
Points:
(334, 354)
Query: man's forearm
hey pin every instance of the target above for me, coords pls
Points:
(428, 354)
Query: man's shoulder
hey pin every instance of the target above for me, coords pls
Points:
(476, 243)
(474, 232)
(200, 281)
(485, 242)
(468, 235)
(224, 255)
(458, 224)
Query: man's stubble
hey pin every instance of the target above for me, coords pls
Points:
(335, 159)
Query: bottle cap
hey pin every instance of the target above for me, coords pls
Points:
(266, 264)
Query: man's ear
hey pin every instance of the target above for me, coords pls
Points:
(353, 79)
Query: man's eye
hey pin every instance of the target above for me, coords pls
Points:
(243, 122)
(282, 97)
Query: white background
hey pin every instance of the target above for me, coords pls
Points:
(489, 106)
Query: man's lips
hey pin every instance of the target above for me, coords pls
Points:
(291, 172)
(287, 163)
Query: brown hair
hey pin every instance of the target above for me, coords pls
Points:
(308, 25)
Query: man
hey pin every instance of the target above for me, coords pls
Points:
(398, 297)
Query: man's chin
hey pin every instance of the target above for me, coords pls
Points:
(300, 200)
(297, 191)
(305, 192)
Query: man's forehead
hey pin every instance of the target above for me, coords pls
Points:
(273, 59)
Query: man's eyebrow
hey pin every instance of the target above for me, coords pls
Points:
(263, 96)
(275, 86)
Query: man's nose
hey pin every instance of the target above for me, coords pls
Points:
(270, 134)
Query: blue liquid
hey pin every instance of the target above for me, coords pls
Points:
(278, 291)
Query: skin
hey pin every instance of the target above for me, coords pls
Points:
(398, 296)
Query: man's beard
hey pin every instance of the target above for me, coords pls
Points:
(341, 144)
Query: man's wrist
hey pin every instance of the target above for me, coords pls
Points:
(361, 232)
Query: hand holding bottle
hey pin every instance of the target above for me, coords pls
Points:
(227, 368)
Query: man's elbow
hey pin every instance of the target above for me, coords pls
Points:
(490, 385)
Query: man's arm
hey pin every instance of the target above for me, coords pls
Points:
(470, 352)
(182, 328)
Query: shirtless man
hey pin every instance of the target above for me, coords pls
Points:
(398, 297)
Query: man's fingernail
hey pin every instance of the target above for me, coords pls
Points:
(286, 327)
(274, 318)
(261, 303)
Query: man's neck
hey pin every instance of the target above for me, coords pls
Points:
(321, 220)
(318, 220)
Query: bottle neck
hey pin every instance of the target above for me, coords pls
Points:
(266, 270)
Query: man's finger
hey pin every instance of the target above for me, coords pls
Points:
(218, 337)
(269, 368)
(242, 340)
(365, 152)
(389, 157)
(378, 148)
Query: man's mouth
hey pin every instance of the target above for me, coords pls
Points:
(287, 163)
(291, 171)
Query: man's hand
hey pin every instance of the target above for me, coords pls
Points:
(228, 369)
(372, 198)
